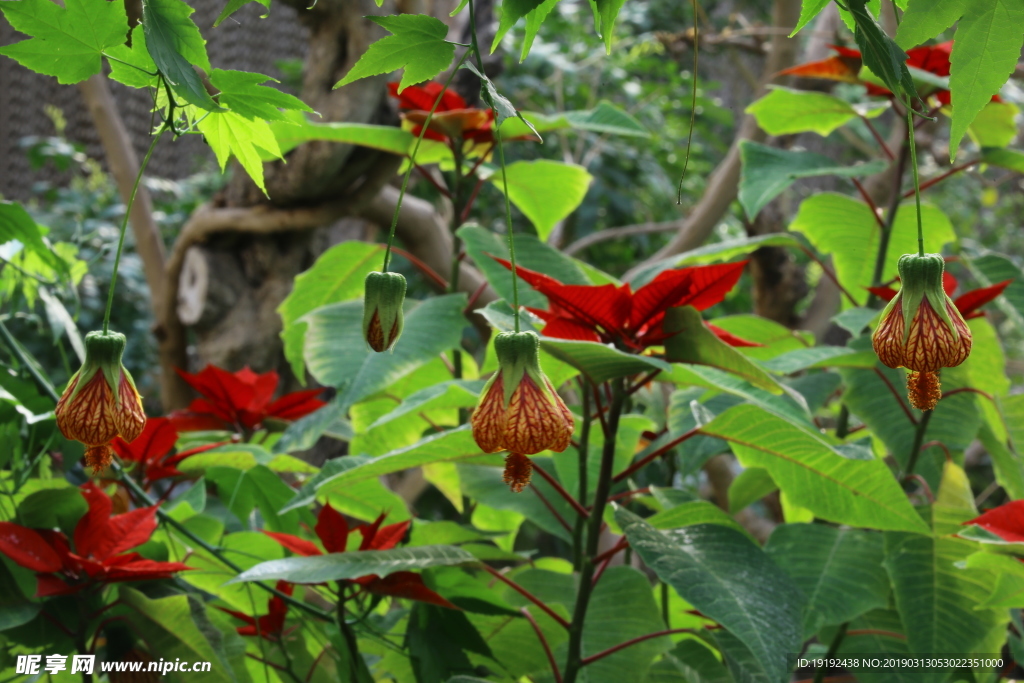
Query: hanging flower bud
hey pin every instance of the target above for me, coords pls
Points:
(519, 410)
(382, 309)
(101, 400)
(921, 329)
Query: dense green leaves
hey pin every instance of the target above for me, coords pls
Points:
(729, 579)
(768, 171)
(243, 93)
(813, 474)
(417, 45)
(67, 41)
(839, 570)
(352, 565)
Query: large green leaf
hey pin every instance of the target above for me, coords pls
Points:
(545, 191)
(875, 395)
(689, 662)
(244, 548)
(416, 45)
(605, 118)
(169, 626)
(729, 579)
(768, 171)
(712, 378)
(691, 513)
(839, 570)
(937, 600)
(813, 474)
(298, 129)
(784, 111)
(16, 224)
(175, 44)
(431, 327)
(985, 52)
(693, 342)
(337, 275)
(454, 445)
(487, 484)
(67, 41)
(352, 565)
(820, 357)
(925, 19)
(844, 227)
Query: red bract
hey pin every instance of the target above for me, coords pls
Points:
(967, 303)
(240, 401)
(608, 314)
(1005, 521)
(152, 450)
(271, 624)
(452, 122)
(845, 66)
(100, 545)
(332, 530)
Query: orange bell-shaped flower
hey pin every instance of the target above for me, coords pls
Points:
(101, 400)
(519, 410)
(921, 329)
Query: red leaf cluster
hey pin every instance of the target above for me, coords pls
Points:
(610, 314)
(152, 450)
(240, 401)
(453, 120)
(1005, 521)
(271, 624)
(101, 541)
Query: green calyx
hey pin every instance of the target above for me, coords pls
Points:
(921, 277)
(385, 296)
(519, 354)
(103, 352)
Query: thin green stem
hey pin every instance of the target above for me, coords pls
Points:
(22, 356)
(124, 224)
(917, 181)
(501, 159)
(915, 453)
(693, 107)
(412, 164)
(582, 461)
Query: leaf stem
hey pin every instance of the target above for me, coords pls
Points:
(544, 643)
(124, 223)
(576, 505)
(819, 675)
(917, 181)
(412, 163)
(582, 450)
(915, 452)
(486, 96)
(526, 594)
(633, 641)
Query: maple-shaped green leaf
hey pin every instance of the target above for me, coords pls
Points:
(808, 10)
(534, 19)
(242, 93)
(230, 133)
(925, 19)
(175, 44)
(65, 42)
(132, 66)
(418, 46)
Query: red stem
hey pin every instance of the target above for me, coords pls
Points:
(643, 381)
(643, 462)
(870, 202)
(924, 485)
(939, 178)
(899, 399)
(626, 494)
(263, 661)
(970, 389)
(828, 273)
(551, 508)
(526, 594)
(469, 202)
(544, 644)
(941, 445)
(432, 180)
(600, 571)
(422, 267)
(610, 553)
(316, 661)
(621, 646)
(476, 295)
(580, 510)
(878, 138)
(479, 161)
